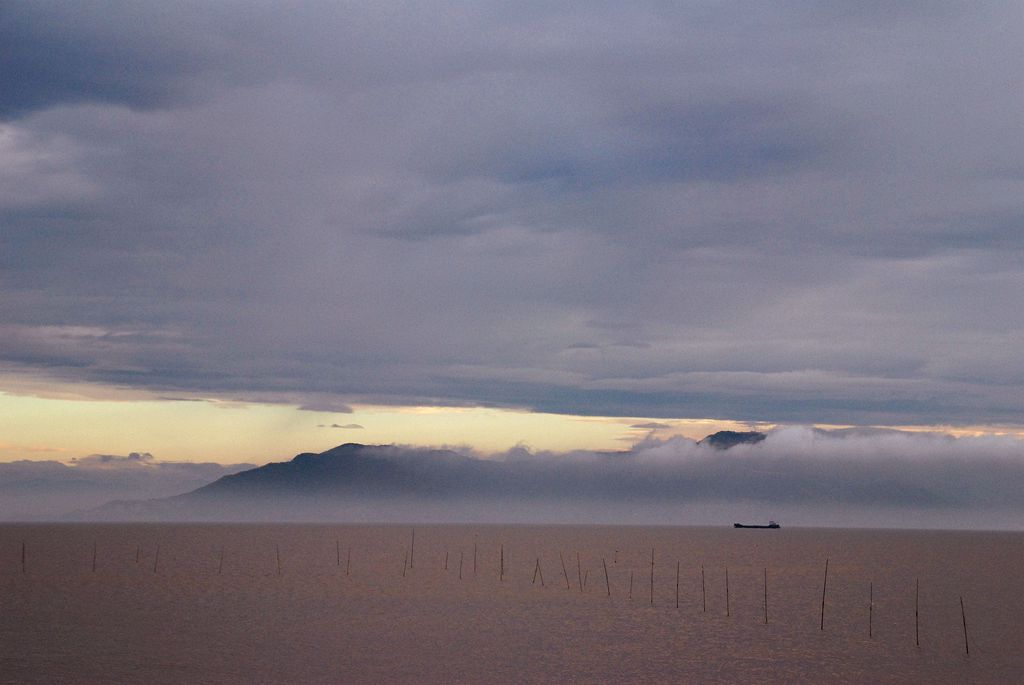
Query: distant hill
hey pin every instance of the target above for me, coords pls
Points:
(723, 440)
(313, 486)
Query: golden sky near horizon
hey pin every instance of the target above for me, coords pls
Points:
(61, 428)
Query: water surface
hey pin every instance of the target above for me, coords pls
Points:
(360, 604)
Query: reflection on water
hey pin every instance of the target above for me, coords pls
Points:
(362, 604)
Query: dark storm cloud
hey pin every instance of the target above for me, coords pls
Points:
(785, 212)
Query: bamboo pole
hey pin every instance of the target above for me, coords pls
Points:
(727, 609)
(405, 563)
(461, 554)
(535, 567)
(766, 595)
(348, 561)
(917, 622)
(277, 549)
(677, 584)
(541, 571)
(607, 583)
(963, 617)
(703, 590)
(446, 560)
(564, 572)
(652, 576)
(824, 584)
(156, 558)
(630, 585)
(579, 572)
(871, 609)
(337, 549)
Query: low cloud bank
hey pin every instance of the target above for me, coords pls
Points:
(39, 490)
(800, 475)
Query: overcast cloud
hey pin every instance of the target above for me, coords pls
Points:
(786, 212)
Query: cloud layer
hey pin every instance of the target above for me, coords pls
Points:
(784, 212)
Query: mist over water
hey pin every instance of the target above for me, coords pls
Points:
(364, 604)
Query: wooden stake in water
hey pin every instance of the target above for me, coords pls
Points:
(138, 553)
(579, 573)
(652, 576)
(405, 563)
(156, 558)
(630, 585)
(412, 549)
(94, 557)
(871, 609)
(727, 610)
(337, 549)
(766, 595)
(677, 585)
(220, 566)
(586, 574)
(917, 596)
(607, 583)
(446, 560)
(277, 550)
(824, 584)
(348, 561)
(474, 556)
(963, 617)
(461, 554)
(703, 590)
(501, 568)
(564, 572)
(536, 570)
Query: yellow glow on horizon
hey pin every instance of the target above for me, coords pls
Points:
(64, 427)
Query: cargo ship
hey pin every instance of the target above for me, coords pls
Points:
(771, 524)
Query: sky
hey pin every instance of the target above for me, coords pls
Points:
(233, 231)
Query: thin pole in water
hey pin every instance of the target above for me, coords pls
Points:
(412, 549)
(607, 583)
(766, 595)
(446, 560)
(337, 549)
(579, 572)
(277, 549)
(652, 576)
(871, 609)
(348, 561)
(461, 554)
(405, 563)
(677, 584)
(917, 596)
(536, 566)
(586, 574)
(138, 553)
(630, 585)
(564, 572)
(963, 616)
(474, 556)
(156, 558)
(824, 584)
(501, 567)
(727, 591)
(94, 557)
(220, 566)
(703, 590)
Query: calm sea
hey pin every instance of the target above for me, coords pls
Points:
(360, 604)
